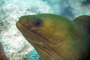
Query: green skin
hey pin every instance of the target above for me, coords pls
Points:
(56, 37)
(84, 22)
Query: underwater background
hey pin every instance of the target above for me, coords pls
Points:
(15, 45)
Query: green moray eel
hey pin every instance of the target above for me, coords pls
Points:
(55, 37)
(84, 22)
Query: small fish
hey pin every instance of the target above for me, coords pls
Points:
(55, 37)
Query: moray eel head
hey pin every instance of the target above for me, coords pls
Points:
(54, 37)
(43, 26)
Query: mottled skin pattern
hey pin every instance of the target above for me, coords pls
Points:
(55, 37)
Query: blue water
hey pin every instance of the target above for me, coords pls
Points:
(34, 56)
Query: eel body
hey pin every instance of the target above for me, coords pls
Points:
(55, 37)
(84, 22)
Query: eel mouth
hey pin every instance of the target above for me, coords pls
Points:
(31, 34)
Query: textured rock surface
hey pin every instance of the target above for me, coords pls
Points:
(15, 45)
(2, 54)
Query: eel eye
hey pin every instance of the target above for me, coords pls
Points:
(37, 23)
